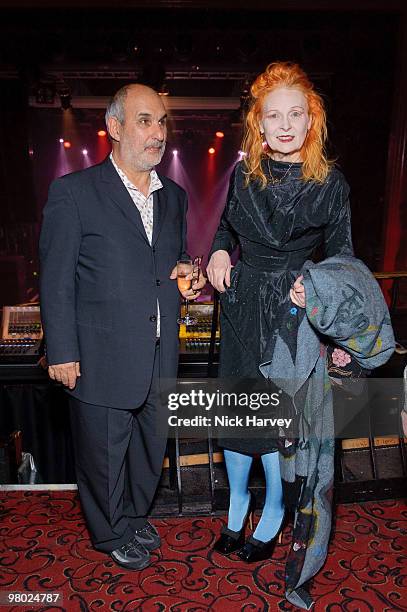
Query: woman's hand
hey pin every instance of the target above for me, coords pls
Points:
(297, 293)
(218, 270)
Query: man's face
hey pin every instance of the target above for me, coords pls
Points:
(285, 122)
(140, 139)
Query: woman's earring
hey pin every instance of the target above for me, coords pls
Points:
(264, 143)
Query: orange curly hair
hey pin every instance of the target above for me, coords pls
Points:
(315, 165)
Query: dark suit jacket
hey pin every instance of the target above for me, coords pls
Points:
(100, 280)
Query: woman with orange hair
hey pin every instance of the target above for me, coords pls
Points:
(285, 200)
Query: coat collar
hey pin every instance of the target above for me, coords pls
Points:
(118, 193)
(160, 210)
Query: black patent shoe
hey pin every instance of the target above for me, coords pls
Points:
(229, 540)
(256, 550)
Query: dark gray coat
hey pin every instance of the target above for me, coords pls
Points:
(344, 303)
(100, 280)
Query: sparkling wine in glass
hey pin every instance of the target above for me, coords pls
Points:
(185, 268)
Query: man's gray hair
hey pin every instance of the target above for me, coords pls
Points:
(115, 108)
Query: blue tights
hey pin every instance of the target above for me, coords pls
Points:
(238, 469)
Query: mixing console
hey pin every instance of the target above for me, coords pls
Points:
(20, 351)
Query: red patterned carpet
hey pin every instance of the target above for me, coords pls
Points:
(44, 547)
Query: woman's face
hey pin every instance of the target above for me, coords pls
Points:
(285, 122)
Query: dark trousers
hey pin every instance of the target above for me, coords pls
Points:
(118, 459)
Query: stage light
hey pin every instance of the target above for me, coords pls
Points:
(244, 98)
(45, 93)
(61, 140)
(163, 90)
(67, 144)
(102, 133)
(84, 151)
(219, 134)
(211, 151)
(64, 95)
(184, 45)
(153, 73)
(175, 152)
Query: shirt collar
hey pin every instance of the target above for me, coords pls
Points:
(155, 182)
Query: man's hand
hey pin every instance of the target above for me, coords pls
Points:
(65, 373)
(297, 293)
(197, 284)
(218, 270)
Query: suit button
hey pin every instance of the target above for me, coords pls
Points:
(158, 282)
(153, 249)
(153, 318)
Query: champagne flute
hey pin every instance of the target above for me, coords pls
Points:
(185, 268)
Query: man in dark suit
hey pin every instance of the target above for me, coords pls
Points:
(110, 240)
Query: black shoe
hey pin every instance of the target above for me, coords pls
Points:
(256, 550)
(132, 555)
(148, 537)
(230, 540)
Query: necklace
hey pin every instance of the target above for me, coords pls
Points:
(273, 179)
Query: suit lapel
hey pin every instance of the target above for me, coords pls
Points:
(119, 195)
(159, 212)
